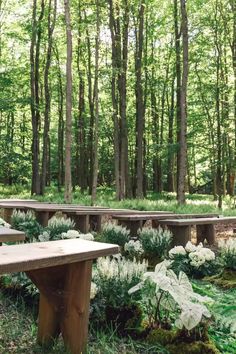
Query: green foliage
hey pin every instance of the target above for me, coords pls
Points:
(228, 253)
(116, 234)
(195, 261)
(59, 225)
(155, 242)
(27, 223)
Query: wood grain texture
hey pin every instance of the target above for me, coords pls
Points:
(10, 235)
(199, 221)
(26, 257)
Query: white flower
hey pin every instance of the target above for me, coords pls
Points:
(70, 234)
(228, 246)
(44, 237)
(176, 251)
(208, 254)
(93, 290)
(190, 247)
(134, 247)
(88, 237)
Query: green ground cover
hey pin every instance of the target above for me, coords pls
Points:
(18, 315)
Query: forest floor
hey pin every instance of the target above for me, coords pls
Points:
(18, 320)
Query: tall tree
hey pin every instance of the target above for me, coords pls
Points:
(68, 135)
(47, 94)
(96, 99)
(182, 170)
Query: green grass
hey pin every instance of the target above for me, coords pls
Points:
(195, 203)
(19, 330)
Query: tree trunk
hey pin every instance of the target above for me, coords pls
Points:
(68, 138)
(183, 109)
(47, 93)
(96, 120)
(139, 103)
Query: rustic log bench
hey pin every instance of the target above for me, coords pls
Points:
(62, 271)
(133, 222)
(181, 228)
(10, 235)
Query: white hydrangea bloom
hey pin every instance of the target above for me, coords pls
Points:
(208, 254)
(93, 290)
(176, 251)
(70, 234)
(197, 258)
(88, 237)
(44, 237)
(190, 247)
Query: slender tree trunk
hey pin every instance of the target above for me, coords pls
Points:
(47, 93)
(96, 120)
(68, 137)
(183, 109)
(170, 161)
(139, 103)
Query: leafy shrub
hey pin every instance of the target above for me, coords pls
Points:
(194, 260)
(155, 242)
(58, 226)
(117, 234)
(27, 223)
(228, 253)
(114, 277)
(4, 223)
(166, 296)
(134, 249)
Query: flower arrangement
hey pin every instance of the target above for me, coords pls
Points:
(115, 276)
(155, 242)
(58, 226)
(228, 252)
(117, 234)
(134, 249)
(193, 260)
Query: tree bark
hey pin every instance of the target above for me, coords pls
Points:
(68, 137)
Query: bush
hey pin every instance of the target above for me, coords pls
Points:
(117, 234)
(196, 261)
(114, 277)
(134, 249)
(228, 253)
(155, 242)
(58, 226)
(27, 223)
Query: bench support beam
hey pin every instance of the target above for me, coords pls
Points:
(64, 304)
(181, 234)
(206, 232)
(132, 225)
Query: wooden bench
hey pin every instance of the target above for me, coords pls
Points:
(62, 271)
(181, 228)
(135, 221)
(10, 235)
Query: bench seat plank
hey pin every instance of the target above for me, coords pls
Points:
(198, 221)
(10, 235)
(25, 257)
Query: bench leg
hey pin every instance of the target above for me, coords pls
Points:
(64, 304)
(95, 222)
(42, 217)
(206, 232)
(81, 223)
(7, 214)
(133, 226)
(181, 234)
